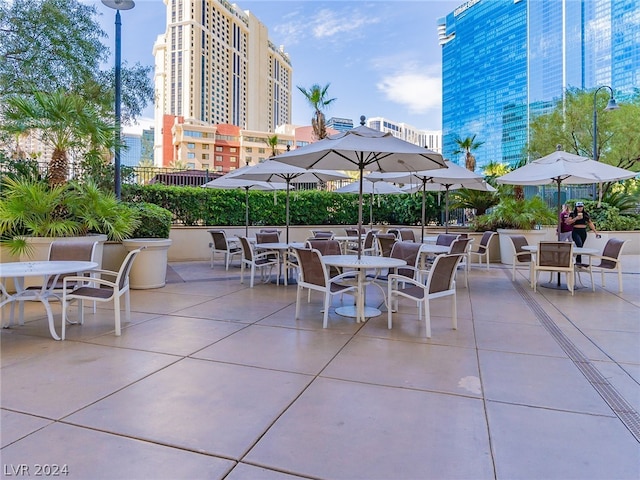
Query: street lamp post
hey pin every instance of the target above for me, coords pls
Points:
(118, 5)
(611, 105)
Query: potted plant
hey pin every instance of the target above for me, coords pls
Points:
(150, 268)
(32, 209)
(516, 217)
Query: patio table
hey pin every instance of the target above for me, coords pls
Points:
(576, 251)
(46, 269)
(361, 311)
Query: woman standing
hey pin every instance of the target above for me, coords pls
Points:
(580, 220)
(565, 228)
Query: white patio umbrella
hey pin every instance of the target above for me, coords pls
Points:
(453, 175)
(363, 149)
(273, 171)
(564, 168)
(372, 188)
(227, 183)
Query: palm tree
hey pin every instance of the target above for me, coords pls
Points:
(466, 146)
(272, 142)
(317, 98)
(64, 121)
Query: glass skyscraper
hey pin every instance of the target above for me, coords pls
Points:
(505, 61)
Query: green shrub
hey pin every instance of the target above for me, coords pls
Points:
(155, 221)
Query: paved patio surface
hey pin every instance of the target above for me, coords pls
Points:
(214, 380)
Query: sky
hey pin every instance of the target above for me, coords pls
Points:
(381, 58)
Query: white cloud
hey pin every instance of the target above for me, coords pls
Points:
(418, 91)
(329, 23)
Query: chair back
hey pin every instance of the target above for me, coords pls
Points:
(219, 239)
(394, 231)
(410, 253)
(555, 254)
(311, 266)
(407, 235)
(386, 242)
(484, 241)
(267, 237)
(322, 234)
(442, 273)
(325, 247)
(518, 242)
(368, 240)
(351, 232)
(247, 251)
(270, 230)
(445, 239)
(612, 249)
(123, 274)
(459, 245)
(72, 251)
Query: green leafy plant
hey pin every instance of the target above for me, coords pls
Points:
(516, 214)
(155, 221)
(32, 208)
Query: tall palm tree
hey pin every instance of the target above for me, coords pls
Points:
(466, 146)
(64, 121)
(317, 98)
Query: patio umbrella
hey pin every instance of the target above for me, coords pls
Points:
(227, 183)
(453, 175)
(363, 149)
(273, 171)
(373, 188)
(564, 168)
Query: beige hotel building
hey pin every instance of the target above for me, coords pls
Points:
(215, 65)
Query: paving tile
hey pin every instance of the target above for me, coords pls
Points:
(547, 382)
(14, 426)
(517, 338)
(277, 348)
(345, 430)
(242, 471)
(73, 376)
(89, 454)
(172, 334)
(535, 443)
(215, 408)
(408, 365)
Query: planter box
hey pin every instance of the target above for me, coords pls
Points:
(149, 269)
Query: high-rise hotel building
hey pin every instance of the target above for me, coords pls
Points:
(215, 65)
(506, 61)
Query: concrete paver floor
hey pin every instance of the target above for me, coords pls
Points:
(214, 380)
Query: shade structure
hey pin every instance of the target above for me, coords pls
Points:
(453, 175)
(273, 171)
(227, 183)
(364, 149)
(562, 167)
(371, 188)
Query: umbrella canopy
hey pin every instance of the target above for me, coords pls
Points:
(372, 188)
(563, 167)
(453, 175)
(227, 183)
(273, 171)
(363, 149)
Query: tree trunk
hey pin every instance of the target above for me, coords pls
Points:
(470, 162)
(58, 168)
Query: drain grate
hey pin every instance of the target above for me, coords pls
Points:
(623, 409)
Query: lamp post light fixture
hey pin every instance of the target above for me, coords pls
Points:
(611, 105)
(118, 5)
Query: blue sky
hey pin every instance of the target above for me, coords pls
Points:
(381, 58)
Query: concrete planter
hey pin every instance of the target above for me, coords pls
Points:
(149, 269)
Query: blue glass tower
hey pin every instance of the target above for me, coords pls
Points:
(505, 61)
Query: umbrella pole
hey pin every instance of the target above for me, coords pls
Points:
(246, 211)
(446, 209)
(360, 217)
(371, 212)
(287, 210)
(424, 193)
(559, 205)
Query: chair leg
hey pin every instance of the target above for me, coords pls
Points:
(64, 319)
(298, 298)
(389, 307)
(619, 268)
(116, 311)
(327, 302)
(127, 305)
(427, 316)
